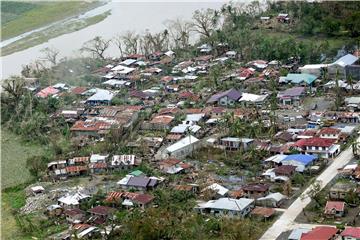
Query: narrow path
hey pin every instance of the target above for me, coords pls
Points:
(287, 219)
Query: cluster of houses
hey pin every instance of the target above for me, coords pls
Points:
(159, 109)
(94, 164)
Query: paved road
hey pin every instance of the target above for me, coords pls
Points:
(287, 219)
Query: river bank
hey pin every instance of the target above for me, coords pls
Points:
(37, 38)
(20, 18)
(121, 20)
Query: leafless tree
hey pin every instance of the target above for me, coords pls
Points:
(118, 41)
(205, 21)
(96, 47)
(152, 42)
(50, 54)
(179, 31)
(131, 42)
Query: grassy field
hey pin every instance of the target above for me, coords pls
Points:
(51, 32)
(13, 159)
(11, 200)
(19, 17)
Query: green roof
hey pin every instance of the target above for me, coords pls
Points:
(298, 78)
(136, 173)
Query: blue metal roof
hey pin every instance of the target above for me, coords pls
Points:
(298, 78)
(304, 159)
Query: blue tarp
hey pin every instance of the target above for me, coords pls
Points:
(304, 159)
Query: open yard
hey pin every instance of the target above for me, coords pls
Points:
(19, 17)
(13, 159)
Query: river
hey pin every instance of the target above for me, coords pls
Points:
(134, 16)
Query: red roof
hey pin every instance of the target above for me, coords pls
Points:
(262, 211)
(78, 90)
(47, 92)
(90, 126)
(71, 169)
(73, 212)
(315, 142)
(102, 210)
(165, 111)
(308, 133)
(169, 162)
(167, 78)
(135, 56)
(188, 95)
(81, 159)
(99, 165)
(334, 205)
(143, 198)
(162, 119)
(137, 197)
(193, 110)
(133, 108)
(351, 232)
(320, 233)
(330, 131)
(246, 73)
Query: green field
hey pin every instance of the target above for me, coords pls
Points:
(13, 159)
(19, 16)
(51, 32)
(11, 200)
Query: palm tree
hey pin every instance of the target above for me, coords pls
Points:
(350, 82)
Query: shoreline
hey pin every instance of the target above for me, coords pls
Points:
(45, 35)
(94, 14)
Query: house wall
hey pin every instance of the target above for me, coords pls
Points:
(332, 69)
(337, 195)
(331, 136)
(353, 71)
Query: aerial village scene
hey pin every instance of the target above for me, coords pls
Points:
(238, 122)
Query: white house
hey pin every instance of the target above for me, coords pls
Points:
(249, 99)
(97, 158)
(222, 191)
(229, 207)
(72, 200)
(181, 148)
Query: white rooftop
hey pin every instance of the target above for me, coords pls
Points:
(122, 69)
(179, 129)
(228, 204)
(249, 97)
(101, 95)
(128, 62)
(113, 82)
(275, 196)
(346, 60)
(194, 117)
(276, 158)
(98, 158)
(218, 188)
(186, 141)
(73, 199)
